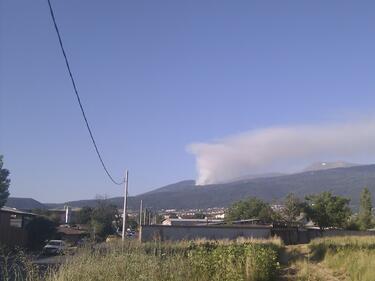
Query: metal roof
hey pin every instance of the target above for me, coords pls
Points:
(15, 211)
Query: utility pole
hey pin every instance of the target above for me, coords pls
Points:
(140, 213)
(125, 203)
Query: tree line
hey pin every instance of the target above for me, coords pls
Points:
(324, 209)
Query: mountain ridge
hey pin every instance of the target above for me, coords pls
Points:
(325, 165)
(343, 181)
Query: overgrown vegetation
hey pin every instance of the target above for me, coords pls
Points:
(205, 260)
(328, 259)
(338, 258)
(250, 260)
(365, 210)
(15, 265)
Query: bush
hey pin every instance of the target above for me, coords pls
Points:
(39, 229)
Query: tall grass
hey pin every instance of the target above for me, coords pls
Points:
(15, 265)
(247, 260)
(353, 256)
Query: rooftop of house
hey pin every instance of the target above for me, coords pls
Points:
(16, 211)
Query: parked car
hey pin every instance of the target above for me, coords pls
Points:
(54, 247)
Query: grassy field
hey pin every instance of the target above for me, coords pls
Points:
(326, 259)
(353, 257)
(200, 261)
(252, 260)
(336, 258)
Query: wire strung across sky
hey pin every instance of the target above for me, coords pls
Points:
(79, 99)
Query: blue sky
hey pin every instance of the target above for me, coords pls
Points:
(156, 76)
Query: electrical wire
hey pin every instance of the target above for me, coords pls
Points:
(79, 99)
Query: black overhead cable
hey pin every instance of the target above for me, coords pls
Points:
(78, 98)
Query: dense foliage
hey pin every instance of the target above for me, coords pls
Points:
(4, 183)
(103, 218)
(365, 210)
(39, 229)
(251, 208)
(328, 210)
(84, 215)
(52, 216)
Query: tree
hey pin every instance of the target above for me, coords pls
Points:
(365, 210)
(352, 223)
(84, 215)
(327, 210)
(293, 207)
(102, 219)
(55, 218)
(4, 183)
(251, 208)
(39, 229)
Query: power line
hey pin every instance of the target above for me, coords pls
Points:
(78, 97)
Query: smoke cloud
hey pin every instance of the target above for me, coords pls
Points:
(283, 149)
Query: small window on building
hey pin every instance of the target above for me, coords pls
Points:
(16, 221)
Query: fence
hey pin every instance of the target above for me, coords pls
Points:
(192, 232)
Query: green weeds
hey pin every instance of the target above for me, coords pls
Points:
(353, 255)
(182, 261)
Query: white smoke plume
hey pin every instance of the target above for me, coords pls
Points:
(283, 149)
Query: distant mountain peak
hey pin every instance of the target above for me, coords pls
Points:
(325, 165)
(346, 180)
(25, 204)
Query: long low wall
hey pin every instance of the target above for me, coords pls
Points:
(175, 233)
(288, 235)
(315, 233)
